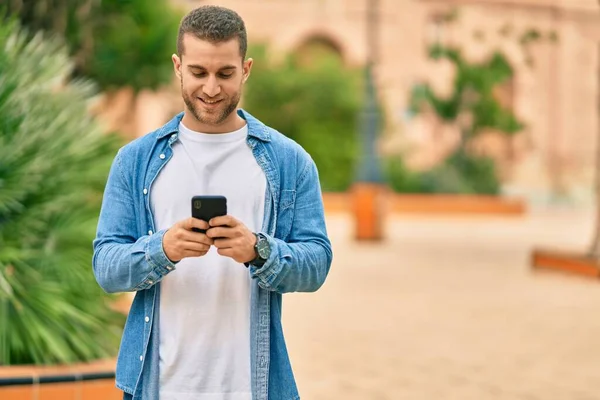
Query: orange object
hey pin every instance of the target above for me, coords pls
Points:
(101, 389)
(369, 209)
(572, 263)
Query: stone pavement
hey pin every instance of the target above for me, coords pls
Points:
(448, 308)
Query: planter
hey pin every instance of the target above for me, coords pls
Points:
(91, 381)
(440, 204)
(368, 202)
(570, 263)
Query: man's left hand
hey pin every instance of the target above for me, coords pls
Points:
(232, 238)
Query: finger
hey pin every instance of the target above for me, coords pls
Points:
(190, 253)
(224, 243)
(191, 236)
(227, 252)
(224, 220)
(191, 222)
(195, 246)
(220, 232)
(197, 237)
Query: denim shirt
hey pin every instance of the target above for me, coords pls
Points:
(128, 254)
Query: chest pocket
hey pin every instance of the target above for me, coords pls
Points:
(287, 201)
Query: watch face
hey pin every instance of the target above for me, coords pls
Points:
(264, 251)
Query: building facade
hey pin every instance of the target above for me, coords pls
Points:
(554, 89)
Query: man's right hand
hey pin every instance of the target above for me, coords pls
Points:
(180, 241)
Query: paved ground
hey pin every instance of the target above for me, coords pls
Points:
(449, 309)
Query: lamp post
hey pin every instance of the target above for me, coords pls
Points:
(368, 190)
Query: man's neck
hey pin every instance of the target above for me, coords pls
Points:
(231, 124)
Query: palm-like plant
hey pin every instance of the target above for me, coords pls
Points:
(53, 163)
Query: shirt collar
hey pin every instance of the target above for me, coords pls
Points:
(256, 128)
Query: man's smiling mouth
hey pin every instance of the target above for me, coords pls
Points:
(209, 102)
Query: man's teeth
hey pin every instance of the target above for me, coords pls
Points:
(210, 102)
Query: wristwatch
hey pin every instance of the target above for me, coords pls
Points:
(262, 249)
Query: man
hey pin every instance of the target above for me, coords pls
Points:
(205, 323)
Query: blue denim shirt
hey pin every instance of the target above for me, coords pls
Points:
(128, 254)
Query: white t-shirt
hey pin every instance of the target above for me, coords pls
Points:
(205, 301)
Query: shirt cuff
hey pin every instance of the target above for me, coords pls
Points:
(156, 256)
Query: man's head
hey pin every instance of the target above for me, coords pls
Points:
(210, 62)
(213, 24)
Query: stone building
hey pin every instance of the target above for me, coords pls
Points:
(554, 88)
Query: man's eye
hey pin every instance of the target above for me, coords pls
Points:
(226, 76)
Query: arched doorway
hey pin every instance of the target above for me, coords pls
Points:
(318, 48)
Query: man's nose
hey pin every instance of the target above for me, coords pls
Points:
(211, 88)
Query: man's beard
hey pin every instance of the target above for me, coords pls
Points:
(211, 119)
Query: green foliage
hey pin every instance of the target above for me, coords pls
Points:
(529, 36)
(316, 105)
(473, 93)
(472, 96)
(138, 38)
(461, 173)
(114, 42)
(401, 178)
(53, 164)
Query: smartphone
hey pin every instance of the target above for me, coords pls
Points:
(208, 207)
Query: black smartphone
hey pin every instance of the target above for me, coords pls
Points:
(208, 207)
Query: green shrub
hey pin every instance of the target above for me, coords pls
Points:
(53, 164)
(400, 178)
(461, 173)
(316, 106)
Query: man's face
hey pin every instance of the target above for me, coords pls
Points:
(212, 77)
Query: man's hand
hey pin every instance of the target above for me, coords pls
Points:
(181, 242)
(232, 238)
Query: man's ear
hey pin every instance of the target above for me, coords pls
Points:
(247, 67)
(176, 65)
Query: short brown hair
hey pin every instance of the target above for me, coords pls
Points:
(214, 24)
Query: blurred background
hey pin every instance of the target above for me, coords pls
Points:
(457, 146)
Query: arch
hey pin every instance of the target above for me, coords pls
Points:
(325, 39)
(317, 47)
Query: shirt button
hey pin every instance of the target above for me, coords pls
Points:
(169, 268)
(150, 232)
(162, 156)
(141, 358)
(147, 319)
(145, 191)
(150, 282)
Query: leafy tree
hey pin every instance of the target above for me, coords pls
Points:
(53, 164)
(114, 42)
(473, 93)
(473, 106)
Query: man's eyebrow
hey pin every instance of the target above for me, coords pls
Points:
(198, 66)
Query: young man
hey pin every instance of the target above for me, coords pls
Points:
(206, 320)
